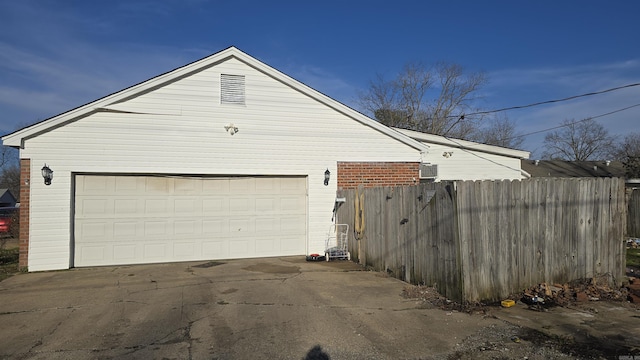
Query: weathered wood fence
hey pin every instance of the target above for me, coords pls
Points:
(633, 218)
(484, 240)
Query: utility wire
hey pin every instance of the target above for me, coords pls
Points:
(572, 123)
(464, 148)
(550, 101)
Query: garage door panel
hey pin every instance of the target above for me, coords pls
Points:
(138, 219)
(126, 229)
(156, 185)
(292, 204)
(95, 231)
(239, 248)
(95, 206)
(215, 206)
(184, 250)
(242, 186)
(94, 184)
(240, 205)
(215, 226)
(93, 253)
(125, 206)
(128, 185)
(187, 186)
(155, 251)
(266, 205)
(187, 206)
(289, 245)
(214, 249)
(266, 245)
(186, 227)
(124, 252)
(264, 225)
(292, 186)
(156, 206)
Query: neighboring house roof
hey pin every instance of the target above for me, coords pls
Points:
(561, 168)
(6, 198)
(464, 144)
(112, 102)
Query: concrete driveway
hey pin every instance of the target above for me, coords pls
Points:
(279, 308)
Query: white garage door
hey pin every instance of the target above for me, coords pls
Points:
(149, 219)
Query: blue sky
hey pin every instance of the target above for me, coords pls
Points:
(57, 55)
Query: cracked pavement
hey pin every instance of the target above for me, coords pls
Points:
(278, 308)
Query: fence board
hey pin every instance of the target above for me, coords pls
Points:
(483, 240)
(633, 218)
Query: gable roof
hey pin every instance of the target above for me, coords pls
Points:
(562, 168)
(7, 198)
(109, 102)
(464, 144)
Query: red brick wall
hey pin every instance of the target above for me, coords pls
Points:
(373, 174)
(25, 196)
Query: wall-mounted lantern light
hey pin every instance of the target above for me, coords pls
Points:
(47, 174)
(327, 175)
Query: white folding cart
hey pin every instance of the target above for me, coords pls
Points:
(337, 244)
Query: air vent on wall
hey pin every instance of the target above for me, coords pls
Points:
(232, 89)
(428, 171)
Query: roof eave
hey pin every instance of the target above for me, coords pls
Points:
(465, 144)
(17, 138)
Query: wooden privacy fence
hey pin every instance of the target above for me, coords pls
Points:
(633, 218)
(485, 240)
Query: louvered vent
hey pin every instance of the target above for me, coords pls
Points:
(232, 89)
(428, 171)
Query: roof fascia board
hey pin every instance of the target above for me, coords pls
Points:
(465, 144)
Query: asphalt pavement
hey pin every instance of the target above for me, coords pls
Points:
(282, 308)
(277, 308)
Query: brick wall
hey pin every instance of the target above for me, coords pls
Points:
(374, 174)
(25, 196)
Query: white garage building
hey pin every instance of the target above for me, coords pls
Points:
(222, 158)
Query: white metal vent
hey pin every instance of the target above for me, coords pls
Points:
(428, 171)
(232, 89)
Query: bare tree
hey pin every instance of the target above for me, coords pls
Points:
(432, 100)
(628, 152)
(578, 141)
(500, 131)
(9, 170)
(10, 179)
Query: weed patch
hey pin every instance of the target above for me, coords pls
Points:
(8, 262)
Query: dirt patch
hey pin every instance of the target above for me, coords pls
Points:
(273, 269)
(432, 299)
(8, 262)
(564, 329)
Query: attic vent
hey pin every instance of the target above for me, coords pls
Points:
(232, 89)
(428, 171)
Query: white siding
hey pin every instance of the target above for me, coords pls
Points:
(179, 129)
(465, 164)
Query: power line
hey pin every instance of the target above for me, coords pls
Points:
(551, 101)
(573, 122)
(463, 148)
